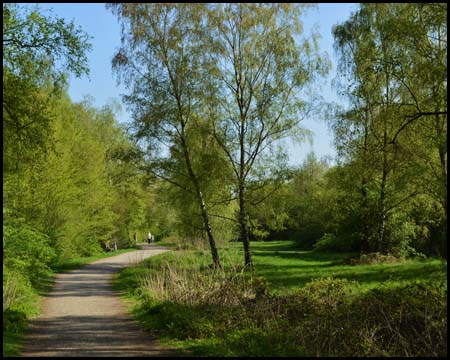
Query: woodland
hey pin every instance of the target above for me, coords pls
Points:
(214, 91)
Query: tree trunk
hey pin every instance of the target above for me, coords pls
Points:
(365, 245)
(212, 243)
(204, 211)
(382, 211)
(243, 228)
(443, 165)
(381, 243)
(242, 205)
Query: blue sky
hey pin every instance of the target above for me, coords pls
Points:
(99, 23)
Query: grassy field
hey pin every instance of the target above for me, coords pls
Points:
(197, 320)
(287, 268)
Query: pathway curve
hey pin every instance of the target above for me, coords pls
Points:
(82, 316)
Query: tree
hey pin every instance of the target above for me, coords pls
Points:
(380, 56)
(37, 51)
(159, 61)
(257, 69)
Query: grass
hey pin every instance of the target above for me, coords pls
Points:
(16, 319)
(287, 270)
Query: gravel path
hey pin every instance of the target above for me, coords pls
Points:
(82, 316)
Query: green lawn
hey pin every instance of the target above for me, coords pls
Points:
(287, 268)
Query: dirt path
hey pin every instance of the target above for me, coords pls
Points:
(82, 316)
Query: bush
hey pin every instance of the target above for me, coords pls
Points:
(331, 243)
(400, 234)
(27, 250)
(26, 258)
(14, 320)
(16, 288)
(374, 258)
(200, 286)
(180, 321)
(408, 321)
(405, 321)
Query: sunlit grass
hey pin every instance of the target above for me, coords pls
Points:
(287, 268)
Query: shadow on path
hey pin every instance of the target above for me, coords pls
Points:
(82, 315)
(90, 336)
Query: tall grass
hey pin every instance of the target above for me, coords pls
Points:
(198, 283)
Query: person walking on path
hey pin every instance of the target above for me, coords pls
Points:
(135, 238)
(149, 237)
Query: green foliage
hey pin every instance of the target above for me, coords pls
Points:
(37, 51)
(170, 117)
(17, 290)
(26, 250)
(58, 194)
(33, 38)
(413, 320)
(330, 242)
(387, 139)
(14, 325)
(13, 321)
(20, 302)
(256, 105)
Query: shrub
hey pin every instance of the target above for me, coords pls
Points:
(407, 321)
(14, 320)
(16, 288)
(27, 250)
(332, 243)
(374, 258)
(200, 285)
(400, 234)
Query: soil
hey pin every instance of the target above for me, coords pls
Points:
(82, 315)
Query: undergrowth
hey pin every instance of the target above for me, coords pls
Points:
(208, 312)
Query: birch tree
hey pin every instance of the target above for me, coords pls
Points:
(159, 62)
(258, 66)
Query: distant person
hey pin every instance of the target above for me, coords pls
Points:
(135, 237)
(149, 237)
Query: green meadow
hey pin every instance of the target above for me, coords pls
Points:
(205, 313)
(287, 268)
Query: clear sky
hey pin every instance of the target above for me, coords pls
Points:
(99, 23)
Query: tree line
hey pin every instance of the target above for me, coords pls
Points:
(71, 180)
